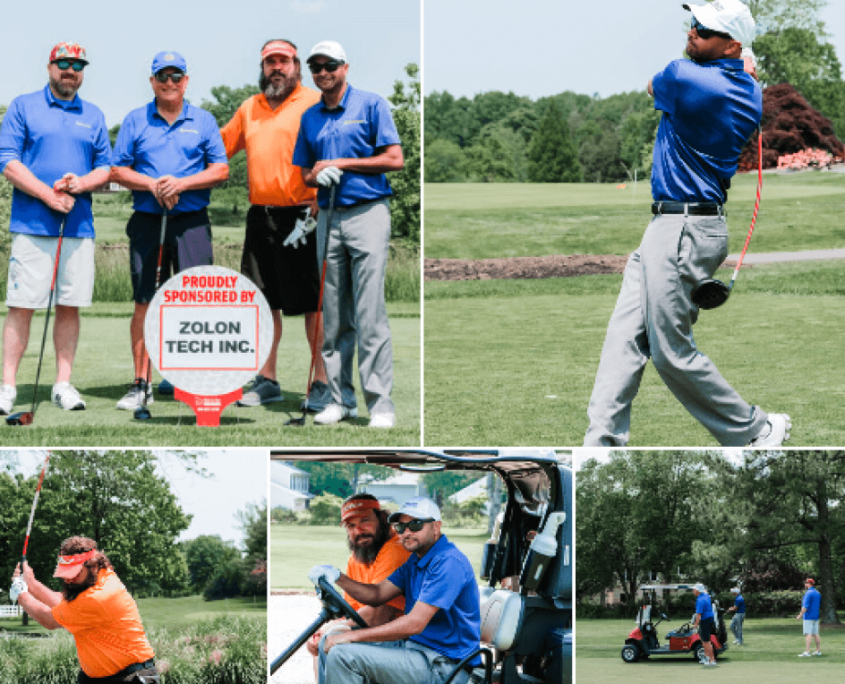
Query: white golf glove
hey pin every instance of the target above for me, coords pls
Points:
(329, 572)
(299, 234)
(329, 176)
(18, 587)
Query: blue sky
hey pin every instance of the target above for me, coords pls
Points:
(545, 47)
(221, 42)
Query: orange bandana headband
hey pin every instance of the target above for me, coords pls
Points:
(357, 507)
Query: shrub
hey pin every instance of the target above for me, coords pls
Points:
(325, 509)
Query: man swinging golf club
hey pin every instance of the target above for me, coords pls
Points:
(96, 609)
(710, 106)
(54, 149)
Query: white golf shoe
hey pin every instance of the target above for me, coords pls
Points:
(334, 413)
(8, 394)
(774, 434)
(382, 420)
(65, 396)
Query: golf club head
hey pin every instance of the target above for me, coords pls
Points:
(142, 413)
(297, 422)
(710, 294)
(21, 418)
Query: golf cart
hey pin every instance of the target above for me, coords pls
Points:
(526, 629)
(643, 641)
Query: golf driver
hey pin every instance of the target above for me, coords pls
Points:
(34, 504)
(143, 412)
(27, 417)
(711, 293)
(300, 422)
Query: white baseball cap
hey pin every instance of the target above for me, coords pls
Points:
(735, 590)
(727, 16)
(419, 507)
(700, 587)
(328, 48)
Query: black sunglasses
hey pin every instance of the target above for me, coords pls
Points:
(162, 77)
(65, 64)
(413, 525)
(330, 66)
(705, 33)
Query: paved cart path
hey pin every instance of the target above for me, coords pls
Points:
(775, 257)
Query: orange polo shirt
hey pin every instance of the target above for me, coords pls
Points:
(391, 556)
(269, 136)
(106, 626)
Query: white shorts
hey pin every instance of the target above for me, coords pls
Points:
(31, 271)
(811, 626)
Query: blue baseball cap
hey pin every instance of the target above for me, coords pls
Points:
(168, 58)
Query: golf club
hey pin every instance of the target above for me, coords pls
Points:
(300, 422)
(143, 412)
(34, 504)
(27, 417)
(711, 293)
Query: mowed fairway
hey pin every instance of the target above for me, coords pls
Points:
(769, 655)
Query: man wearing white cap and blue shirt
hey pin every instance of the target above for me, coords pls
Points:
(349, 140)
(711, 105)
(705, 621)
(442, 621)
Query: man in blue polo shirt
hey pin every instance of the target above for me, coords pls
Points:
(349, 140)
(170, 154)
(442, 621)
(54, 149)
(706, 622)
(738, 609)
(710, 106)
(811, 613)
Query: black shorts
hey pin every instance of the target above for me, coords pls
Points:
(706, 629)
(288, 277)
(187, 243)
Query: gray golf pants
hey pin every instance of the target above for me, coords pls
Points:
(353, 302)
(736, 626)
(653, 319)
(395, 662)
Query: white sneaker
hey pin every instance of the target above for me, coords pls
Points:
(65, 395)
(382, 420)
(334, 413)
(805, 654)
(8, 394)
(775, 433)
(134, 398)
(817, 653)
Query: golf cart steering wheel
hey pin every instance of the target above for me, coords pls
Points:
(336, 605)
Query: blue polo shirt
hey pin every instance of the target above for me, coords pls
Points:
(739, 602)
(356, 128)
(703, 606)
(52, 137)
(812, 601)
(710, 109)
(443, 578)
(155, 148)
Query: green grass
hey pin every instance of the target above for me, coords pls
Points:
(513, 362)
(103, 370)
(769, 655)
(475, 221)
(295, 549)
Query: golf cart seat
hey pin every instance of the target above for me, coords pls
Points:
(501, 616)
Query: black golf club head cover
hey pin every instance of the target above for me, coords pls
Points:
(710, 293)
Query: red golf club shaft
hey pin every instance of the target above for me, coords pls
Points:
(34, 504)
(148, 373)
(756, 205)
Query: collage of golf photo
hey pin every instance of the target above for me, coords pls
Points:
(275, 278)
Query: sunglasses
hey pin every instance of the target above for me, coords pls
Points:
(330, 66)
(65, 64)
(705, 33)
(414, 525)
(162, 77)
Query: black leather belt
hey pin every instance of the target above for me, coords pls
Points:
(688, 208)
(134, 668)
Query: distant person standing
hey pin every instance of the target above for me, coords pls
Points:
(738, 609)
(170, 154)
(810, 612)
(54, 150)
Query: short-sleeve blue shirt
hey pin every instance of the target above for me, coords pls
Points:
(710, 109)
(52, 137)
(356, 128)
(812, 601)
(703, 606)
(739, 602)
(443, 578)
(155, 148)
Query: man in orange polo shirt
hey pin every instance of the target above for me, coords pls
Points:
(280, 250)
(96, 608)
(376, 554)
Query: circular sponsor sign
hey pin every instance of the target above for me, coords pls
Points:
(208, 330)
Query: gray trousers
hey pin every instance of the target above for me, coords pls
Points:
(395, 662)
(736, 626)
(353, 303)
(653, 319)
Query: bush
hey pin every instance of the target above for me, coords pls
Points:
(286, 517)
(325, 509)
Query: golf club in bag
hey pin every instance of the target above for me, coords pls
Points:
(143, 412)
(300, 422)
(711, 293)
(27, 417)
(34, 504)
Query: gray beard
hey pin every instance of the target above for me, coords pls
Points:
(65, 88)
